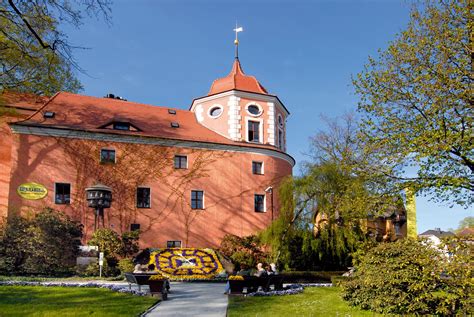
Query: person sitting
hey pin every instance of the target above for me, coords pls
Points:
(269, 270)
(274, 268)
(244, 270)
(260, 271)
(139, 268)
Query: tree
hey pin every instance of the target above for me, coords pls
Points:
(467, 222)
(416, 102)
(35, 56)
(326, 206)
(46, 243)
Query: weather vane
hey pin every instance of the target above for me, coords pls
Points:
(236, 41)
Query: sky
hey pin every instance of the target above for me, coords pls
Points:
(167, 53)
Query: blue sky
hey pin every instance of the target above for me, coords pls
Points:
(168, 53)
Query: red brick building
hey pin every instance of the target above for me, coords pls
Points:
(182, 177)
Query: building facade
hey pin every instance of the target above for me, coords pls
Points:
(183, 177)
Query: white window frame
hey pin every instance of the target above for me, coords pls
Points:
(212, 107)
(264, 203)
(253, 104)
(109, 149)
(136, 200)
(260, 129)
(70, 193)
(203, 199)
(263, 167)
(180, 242)
(187, 162)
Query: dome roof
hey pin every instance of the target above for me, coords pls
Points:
(237, 80)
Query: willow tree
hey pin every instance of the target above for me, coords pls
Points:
(416, 101)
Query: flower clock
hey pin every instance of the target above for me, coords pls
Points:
(186, 263)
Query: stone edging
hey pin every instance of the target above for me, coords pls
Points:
(112, 287)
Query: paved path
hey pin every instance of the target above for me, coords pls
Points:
(193, 299)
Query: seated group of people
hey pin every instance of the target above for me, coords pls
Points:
(142, 268)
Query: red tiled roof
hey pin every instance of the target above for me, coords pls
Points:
(22, 100)
(237, 80)
(87, 113)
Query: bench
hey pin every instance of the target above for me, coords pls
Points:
(160, 287)
(253, 283)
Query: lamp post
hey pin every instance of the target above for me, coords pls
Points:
(99, 197)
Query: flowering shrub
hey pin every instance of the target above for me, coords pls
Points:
(186, 263)
(236, 278)
(156, 277)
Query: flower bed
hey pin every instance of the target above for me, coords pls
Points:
(112, 287)
(186, 263)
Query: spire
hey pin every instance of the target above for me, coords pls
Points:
(237, 80)
(236, 41)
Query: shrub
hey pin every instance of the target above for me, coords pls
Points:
(114, 247)
(243, 250)
(125, 266)
(45, 244)
(412, 277)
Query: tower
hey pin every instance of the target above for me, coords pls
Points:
(241, 109)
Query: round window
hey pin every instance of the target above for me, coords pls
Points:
(253, 109)
(215, 112)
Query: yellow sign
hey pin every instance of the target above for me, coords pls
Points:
(32, 191)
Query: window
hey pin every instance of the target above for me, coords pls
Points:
(171, 111)
(197, 199)
(254, 110)
(121, 126)
(134, 226)
(62, 193)
(257, 168)
(173, 244)
(180, 161)
(174, 124)
(259, 203)
(280, 139)
(143, 197)
(215, 112)
(254, 131)
(107, 156)
(280, 120)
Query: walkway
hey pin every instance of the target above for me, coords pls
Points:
(193, 299)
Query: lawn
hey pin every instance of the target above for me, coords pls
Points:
(314, 301)
(69, 301)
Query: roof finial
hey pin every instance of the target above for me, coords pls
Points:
(236, 41)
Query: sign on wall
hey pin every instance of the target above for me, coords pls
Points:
(32, 191)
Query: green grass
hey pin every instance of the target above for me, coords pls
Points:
(69, 301)
(314, 301)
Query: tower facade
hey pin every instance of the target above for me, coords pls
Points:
(239, 108)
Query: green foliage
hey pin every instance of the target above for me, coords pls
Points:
(325, 225)
(126, 265)
(243, 250)
(129, 242)
(114, 247)
(413, 277)
(108, 242)
(416, 102)
(47, 243)
(467, 222)
(27, 66)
